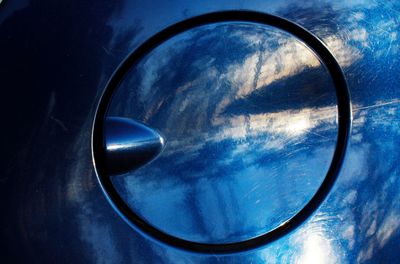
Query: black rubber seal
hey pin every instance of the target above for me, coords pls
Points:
(344, 125)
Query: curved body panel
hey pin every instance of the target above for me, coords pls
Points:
(56, 58)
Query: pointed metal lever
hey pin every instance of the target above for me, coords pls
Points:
(129, 144)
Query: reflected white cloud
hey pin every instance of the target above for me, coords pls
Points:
(314, 243)
(345, 53)
(206, 109)
(266, 66)
(317, 249)
(275, 130)
(360, 181)
(248, 131)
(389, 226)
(365, 197)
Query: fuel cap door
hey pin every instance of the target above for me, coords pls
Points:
(222, 131)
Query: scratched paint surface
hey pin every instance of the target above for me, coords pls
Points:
(249, 116)
(56, 58)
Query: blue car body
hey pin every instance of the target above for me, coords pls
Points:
(57, 59)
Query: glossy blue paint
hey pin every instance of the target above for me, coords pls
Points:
(249, 113)
(56, 58)
(129, 145)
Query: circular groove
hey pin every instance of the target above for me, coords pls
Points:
(344, 124)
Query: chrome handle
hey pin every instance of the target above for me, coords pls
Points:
(129, 144)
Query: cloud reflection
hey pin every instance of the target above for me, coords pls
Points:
(366, 195)
(365, 198)
(361, 214)
(249, 131)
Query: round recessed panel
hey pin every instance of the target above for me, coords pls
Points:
(249, 116)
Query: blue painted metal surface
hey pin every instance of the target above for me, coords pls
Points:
(56, 58)
(129, 145)
(249, 113)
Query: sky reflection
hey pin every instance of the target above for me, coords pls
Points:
(59, 205)
(249, 116)
(365, 198)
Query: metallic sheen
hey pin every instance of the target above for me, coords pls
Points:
(129, 144)
(250, 116)
(56, 59)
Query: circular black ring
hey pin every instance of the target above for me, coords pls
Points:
(344, 124)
